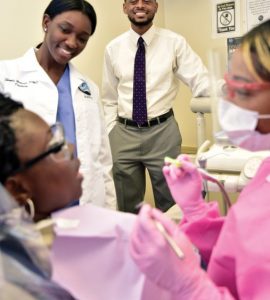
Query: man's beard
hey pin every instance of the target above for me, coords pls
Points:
(141, 24)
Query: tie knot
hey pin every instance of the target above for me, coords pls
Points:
(140, 41)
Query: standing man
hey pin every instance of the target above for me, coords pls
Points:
(142, 69)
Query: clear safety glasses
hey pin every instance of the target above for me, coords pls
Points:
(58, 149)
(235, 87)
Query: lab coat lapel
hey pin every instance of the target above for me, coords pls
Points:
(29, 63)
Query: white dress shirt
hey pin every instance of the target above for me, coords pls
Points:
(169, 59)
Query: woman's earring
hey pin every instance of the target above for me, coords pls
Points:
(31, 207)
(45, 29)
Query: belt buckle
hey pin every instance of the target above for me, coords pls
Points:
(141, 126)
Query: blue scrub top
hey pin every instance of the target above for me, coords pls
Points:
(65, 111)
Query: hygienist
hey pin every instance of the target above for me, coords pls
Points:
(236, 247)
(48, 84)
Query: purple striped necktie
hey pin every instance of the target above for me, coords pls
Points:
(139, 113)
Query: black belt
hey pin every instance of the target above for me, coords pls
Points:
(149, 123)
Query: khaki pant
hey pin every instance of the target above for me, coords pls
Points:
(136, 149)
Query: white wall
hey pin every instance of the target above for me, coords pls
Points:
(193, 20)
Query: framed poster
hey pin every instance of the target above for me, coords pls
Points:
(257, 11)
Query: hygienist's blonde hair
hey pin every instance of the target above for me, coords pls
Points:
(256, 51)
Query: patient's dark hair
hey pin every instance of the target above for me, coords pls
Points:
(9, 159)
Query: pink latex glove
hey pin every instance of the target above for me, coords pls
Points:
(185, 184)
(155, 257)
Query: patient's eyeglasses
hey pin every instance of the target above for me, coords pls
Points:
(243, 88)
(57, 149)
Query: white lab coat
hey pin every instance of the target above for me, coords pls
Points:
(26, 81)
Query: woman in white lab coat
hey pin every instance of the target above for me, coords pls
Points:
(49, 85)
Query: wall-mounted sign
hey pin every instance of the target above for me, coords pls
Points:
(226, 18)
(257, 11)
